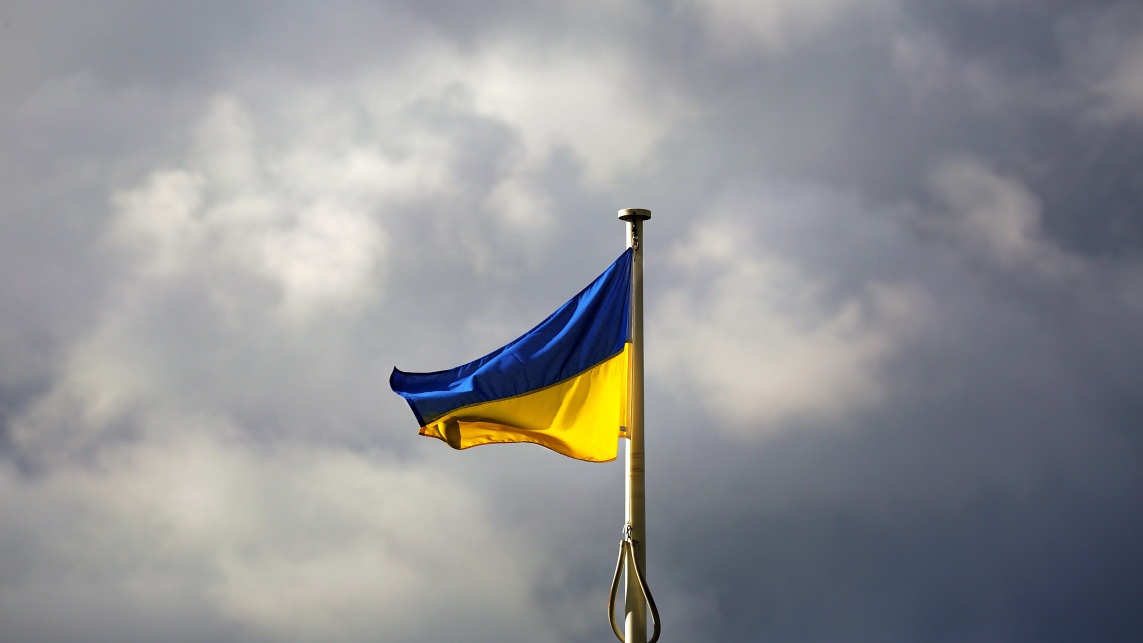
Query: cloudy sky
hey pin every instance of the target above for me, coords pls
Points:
(894, 316)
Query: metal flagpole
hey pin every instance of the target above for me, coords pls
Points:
(635, 605)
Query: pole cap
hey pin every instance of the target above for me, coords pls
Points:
(634, 214)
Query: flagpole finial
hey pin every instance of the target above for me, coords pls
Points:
(634, 214)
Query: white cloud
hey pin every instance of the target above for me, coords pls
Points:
(155, 505)
(593, 103)
(280, 221)
(235, 209)
(289, 544)
(524, 207)
(997, 217)
(761, 343)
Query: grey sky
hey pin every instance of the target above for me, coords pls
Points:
(894, 299)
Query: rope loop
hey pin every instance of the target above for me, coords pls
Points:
(627, 552)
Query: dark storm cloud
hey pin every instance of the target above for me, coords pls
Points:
(990, 494)
(894, 291)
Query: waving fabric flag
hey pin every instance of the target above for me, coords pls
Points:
(563, 385)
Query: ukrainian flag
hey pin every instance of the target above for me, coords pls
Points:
(563, 385)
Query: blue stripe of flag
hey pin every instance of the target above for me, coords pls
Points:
(588, 329)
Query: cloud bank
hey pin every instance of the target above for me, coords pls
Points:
(894, 285)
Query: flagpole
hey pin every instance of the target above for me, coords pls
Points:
(635, 606)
